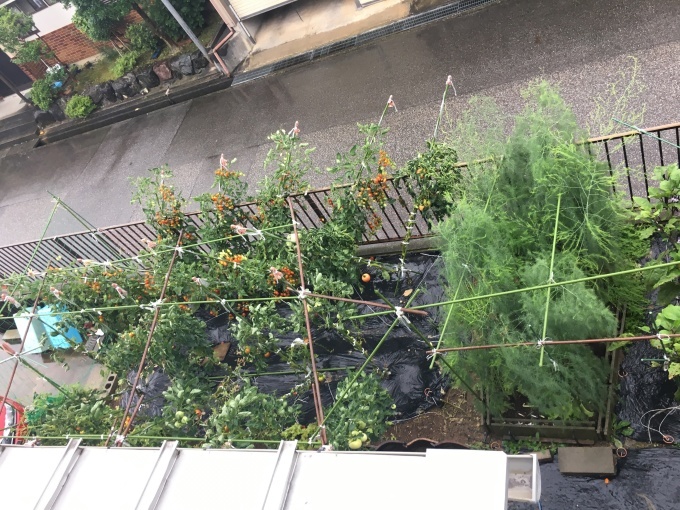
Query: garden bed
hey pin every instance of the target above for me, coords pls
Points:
(597, 429)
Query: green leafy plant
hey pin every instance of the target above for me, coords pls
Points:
(362, 416)
(42, 94)
(192, 11)
(141, 37)
(432, 179)
(15, 28)
(79, 107)
(75, 411)
(125, 63)
(247, 414)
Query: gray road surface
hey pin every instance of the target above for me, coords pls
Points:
(580, 44)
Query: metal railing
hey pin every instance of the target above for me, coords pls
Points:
(631, 151)
(638, 154)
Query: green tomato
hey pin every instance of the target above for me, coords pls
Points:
(355, 444)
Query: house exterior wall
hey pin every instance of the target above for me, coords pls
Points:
(53, 18)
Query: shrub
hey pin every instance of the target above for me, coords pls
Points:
(141, 37)
(125, 63)
(42, 94)
(79, 107)
(190, 10)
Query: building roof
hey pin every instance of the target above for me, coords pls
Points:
(74, 477)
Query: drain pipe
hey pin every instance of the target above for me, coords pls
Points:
(189, 32)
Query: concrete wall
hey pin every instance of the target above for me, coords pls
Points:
(53, 18)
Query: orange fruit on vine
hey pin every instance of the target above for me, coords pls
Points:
(365, 277)
(247, 350)
(267, 354)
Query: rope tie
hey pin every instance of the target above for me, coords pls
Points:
(120, 438)
(399, 312)
(303, 293)
(180, 251)
(152, 306)
(540, 343)
(402, 264)
(432, 354)
(256, 233)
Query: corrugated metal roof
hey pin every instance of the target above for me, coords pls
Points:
(171, 478)
(249, 8)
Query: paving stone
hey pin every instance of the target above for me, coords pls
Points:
(590, 461)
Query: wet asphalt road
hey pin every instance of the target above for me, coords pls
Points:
(581, 45)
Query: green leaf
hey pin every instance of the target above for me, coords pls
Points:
(648, 232)
(667, 293)
(673, 370)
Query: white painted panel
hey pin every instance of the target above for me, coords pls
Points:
(53, 18)
(249, 8)
(107, 479)
(202, 479)
(24, 472)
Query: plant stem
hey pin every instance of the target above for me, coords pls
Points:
(550, 279)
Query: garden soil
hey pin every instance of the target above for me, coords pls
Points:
(401, 362)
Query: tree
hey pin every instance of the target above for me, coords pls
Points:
(97, 20)
(15, 27)
(190, 10)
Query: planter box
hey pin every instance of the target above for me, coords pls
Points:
(563, 431)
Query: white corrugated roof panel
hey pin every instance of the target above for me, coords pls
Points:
(172, 478)
(249, 8)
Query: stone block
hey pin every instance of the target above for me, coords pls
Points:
(587, 461)
(162, 71)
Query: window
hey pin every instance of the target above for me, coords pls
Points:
(32, 6)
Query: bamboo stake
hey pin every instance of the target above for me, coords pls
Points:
(558, 342)
(315, 384)
(35, 252)
(550, 279)
(530, 289)
(153, 253)
(365, 364)
(151, 331)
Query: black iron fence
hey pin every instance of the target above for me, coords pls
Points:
(631, 155)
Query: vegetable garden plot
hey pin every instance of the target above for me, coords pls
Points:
(536, 250)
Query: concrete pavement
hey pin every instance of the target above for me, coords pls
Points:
(580, 44)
